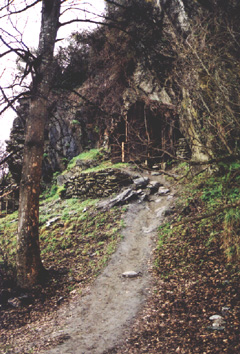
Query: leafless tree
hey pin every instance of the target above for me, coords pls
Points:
(40, 67)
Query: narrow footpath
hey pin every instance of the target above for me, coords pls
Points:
(100, 319)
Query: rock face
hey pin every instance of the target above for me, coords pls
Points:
(183, 150)
(64, 138)
(16, 143)
(176, 12)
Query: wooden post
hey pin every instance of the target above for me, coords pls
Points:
(126, 139)
(123, 152)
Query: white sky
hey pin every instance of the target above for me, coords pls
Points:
(29, 25)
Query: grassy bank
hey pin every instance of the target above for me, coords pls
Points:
(196, 270)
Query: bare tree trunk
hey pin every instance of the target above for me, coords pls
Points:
(29, 265)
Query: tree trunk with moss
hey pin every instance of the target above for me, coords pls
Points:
(29, 265)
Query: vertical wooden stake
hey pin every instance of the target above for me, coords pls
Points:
(123, 152)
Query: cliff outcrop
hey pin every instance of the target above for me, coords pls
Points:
(159, 75)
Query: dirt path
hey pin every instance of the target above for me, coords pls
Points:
(100, 319)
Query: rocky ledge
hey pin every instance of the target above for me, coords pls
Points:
(121, 186)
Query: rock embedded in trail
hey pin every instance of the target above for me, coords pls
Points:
(131, 274)
(163, 191)
(154, 186)
(122, 198)
(141, 182)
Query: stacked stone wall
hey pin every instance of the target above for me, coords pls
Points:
(97, 184)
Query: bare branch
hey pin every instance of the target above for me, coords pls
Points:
(91, 21)
(27, 7)
(6, 53)
(10, 102)
(25, 55)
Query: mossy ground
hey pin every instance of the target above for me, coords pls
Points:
(76, 242)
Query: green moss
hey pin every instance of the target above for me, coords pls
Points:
(105, 165)
(79, 229)
(61, 191)
(92, 154)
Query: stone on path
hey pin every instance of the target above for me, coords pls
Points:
(163, 191)
(141, 182)
(217, 322)
(154, 186)
(131, 274)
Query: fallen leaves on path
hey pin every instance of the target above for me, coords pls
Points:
(191, 283)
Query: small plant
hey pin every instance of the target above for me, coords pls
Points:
(122, 223)
(110, 249)
(75, 122)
